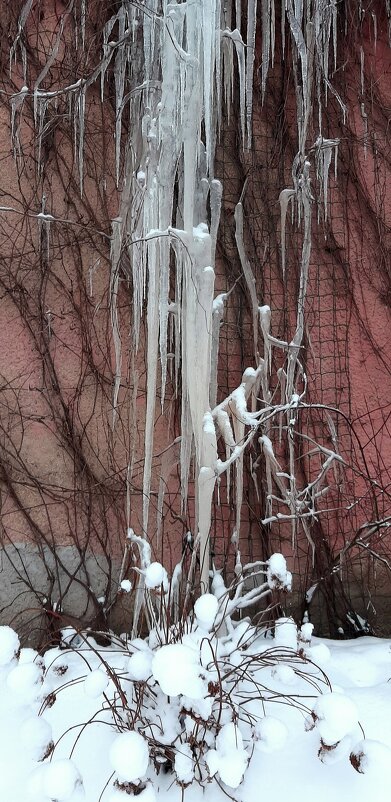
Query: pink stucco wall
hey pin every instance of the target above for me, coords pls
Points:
(64, 470)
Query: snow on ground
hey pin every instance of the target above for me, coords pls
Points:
(93, 723)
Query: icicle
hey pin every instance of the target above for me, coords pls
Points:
(238, 14)
(247, 271)
(119, 79)
(115, 255)
(83, 23)
(239, 46)
(218, 313)
(81, 108)
(374, 20)
(144, 551)
(388, 12)
(208, 31)
(251, 29)
(305, 201)
(206, 483)
(285, 196)
(216, 194)
(17, 101)
(335, 32)
(364, 116)
(324, 150)
(40, 109)
(283, 14)
(24, 14)
(265, 320)
(266, 43)
(152, 360)
(44, 224)
(54, 49)
(362, 69)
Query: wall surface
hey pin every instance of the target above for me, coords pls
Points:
(71, 482)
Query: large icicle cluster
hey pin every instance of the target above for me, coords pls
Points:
(178, 58)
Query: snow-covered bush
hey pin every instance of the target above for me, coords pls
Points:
(198, 701)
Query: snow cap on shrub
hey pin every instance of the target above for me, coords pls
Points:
(371, 757)
(177, 669)
(140, 666)
(206, 608)
(129, 756)
(60, 779)
(9, 645)
(269, 734)
(155, 576)
(95, 683)
(26, 681)
(184, 764)
(278, 577)
(335, 715)
(229, 759)
(36, 737)
(285, 633)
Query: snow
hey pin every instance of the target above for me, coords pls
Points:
(229, 759)
(9, 645)
(184, 764)
(155, 576)
(285, 633)
(372, 757)
(305, 633)
(36, 737)
(129, 756)
(270, 734)
(60, 779)
(278, 575)
(95, 683)
(126, 585)
(206, 608)
(177, 669)
(25, 681)
(140, 666)
(260, 738)
(335, 716)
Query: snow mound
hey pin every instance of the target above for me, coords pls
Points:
(206, 608)
(9, 645)
(28, 655)
(285, 635)
(36, 737)
(371, 757)
(26, 681)
(319, 654)
(155, 576)
(269, 734)
(184, 764)
(95, 683)
(229, 759)
(58, 781)
(61, 779)
(335, 716)
(177, 669)
(284, 674)
(140, 666)
(278, 576)
(129, 756)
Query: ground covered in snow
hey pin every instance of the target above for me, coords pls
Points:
(209, 715)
